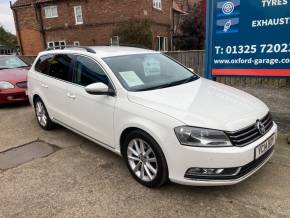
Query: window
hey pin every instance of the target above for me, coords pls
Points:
(162, 43)
(56, 44)
(50, 11)
(115, 40)
(76, 43)
(78, 15)
(60, 67)
(157, 4)
(43, 63)
(87, 71)
(10, 62)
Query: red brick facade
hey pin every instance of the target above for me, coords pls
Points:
(34, 31)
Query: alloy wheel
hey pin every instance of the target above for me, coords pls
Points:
(142, 160)
(41, 114)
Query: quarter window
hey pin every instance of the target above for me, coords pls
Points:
(78, 15)
(87, 71)
(60, 67)
(157, 4)
(43, 63)
(50, 11)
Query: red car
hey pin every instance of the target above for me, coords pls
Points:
(13, 79)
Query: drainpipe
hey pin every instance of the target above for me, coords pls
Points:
(17, 28)
(37, 9)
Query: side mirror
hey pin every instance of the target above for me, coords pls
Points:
(99, 89)
(192, 70)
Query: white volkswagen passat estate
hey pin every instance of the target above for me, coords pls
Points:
(165, 121)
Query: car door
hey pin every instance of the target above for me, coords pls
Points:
(92, 115)
(54, 86)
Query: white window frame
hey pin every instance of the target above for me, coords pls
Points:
(157, 4)
(76, 15)
(77, 43)
(52, 44)
(164, 42)
(49, 11)
(115, 40)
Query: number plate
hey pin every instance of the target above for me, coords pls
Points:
(264, 147)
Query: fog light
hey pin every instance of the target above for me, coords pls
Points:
(203, 171)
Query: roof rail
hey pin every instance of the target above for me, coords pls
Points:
(88, 49)
(126, 45)
(132, 45)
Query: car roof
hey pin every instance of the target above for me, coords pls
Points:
(103, 51)
(12, 55)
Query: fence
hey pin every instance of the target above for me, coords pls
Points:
(193, 59)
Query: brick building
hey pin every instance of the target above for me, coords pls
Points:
(52, 23)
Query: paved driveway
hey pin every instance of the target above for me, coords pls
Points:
(84, 180)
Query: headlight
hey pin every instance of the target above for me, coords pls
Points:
(6, 85)
(199, 137)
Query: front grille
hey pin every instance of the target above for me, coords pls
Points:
(250, 134)
(22, 85)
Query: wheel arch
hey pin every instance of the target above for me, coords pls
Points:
(129, 129)
(35, 96)
(123, 136)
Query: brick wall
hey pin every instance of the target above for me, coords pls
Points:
(99, 16)
(28, 34)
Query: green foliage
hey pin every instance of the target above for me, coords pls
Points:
(193, 29)
(135, 32)
(7, 38)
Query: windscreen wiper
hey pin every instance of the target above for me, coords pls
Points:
(166, 85)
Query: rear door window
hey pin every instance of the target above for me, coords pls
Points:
(43, 63)
(60, 67)
(87, 71)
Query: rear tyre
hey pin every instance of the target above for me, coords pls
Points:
(145, 159)
(42, 116)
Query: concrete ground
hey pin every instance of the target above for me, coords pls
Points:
(84, 180)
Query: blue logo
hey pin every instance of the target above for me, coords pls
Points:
(228, 8)
(227, 26)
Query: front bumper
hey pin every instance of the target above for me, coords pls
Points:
(229, 157)
(13, 95)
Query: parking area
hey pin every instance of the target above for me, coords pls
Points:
(81, 179)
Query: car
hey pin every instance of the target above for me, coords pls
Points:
(168, 123)
(13, 79)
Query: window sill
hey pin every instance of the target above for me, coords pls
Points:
(157, 9)
(50, 17)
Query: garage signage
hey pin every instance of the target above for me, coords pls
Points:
(248, 38)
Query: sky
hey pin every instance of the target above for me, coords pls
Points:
(6, 16)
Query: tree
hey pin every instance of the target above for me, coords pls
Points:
(193, 30)
(135, 32)
(7, 38)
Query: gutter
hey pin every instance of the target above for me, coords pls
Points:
(37, 9)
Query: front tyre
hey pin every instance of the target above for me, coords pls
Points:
(42, 116)
(145, 159)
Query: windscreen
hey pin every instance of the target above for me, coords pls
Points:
(141, 72)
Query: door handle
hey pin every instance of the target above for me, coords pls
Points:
(71, 96)
(44, 86)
